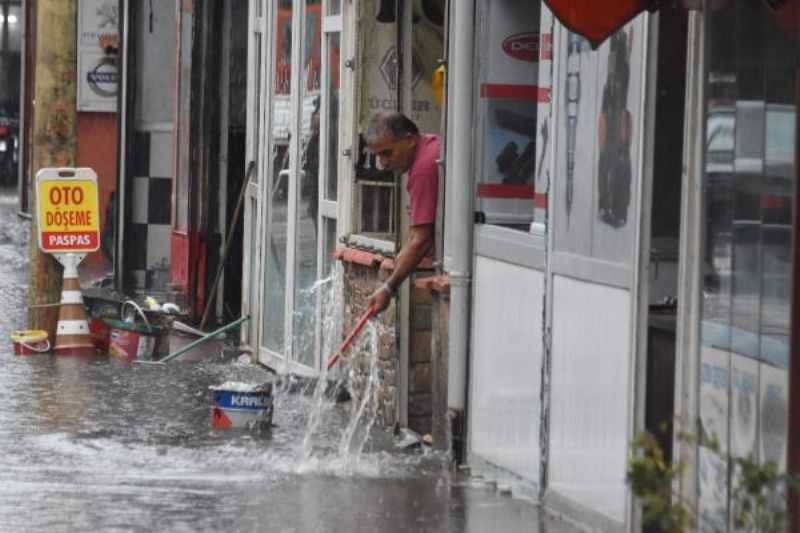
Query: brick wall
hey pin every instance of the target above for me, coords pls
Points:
(420, 372)
(359, 283)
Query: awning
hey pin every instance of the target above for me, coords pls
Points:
(597, 20)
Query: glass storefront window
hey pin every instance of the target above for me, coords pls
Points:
(328, 246)
(257, 74)
(508, 101)
(379, 194)
(375, 188)
(377, 208)
(748, 186)
(332, 175)
(277, 215)
(307, 216)
(334, 7)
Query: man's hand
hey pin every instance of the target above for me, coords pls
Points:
(380, 299)
(419, 243)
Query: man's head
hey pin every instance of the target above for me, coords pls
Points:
(393, 138)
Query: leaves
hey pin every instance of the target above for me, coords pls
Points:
(757, 494)
(650, 479)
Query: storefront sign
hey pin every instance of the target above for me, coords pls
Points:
(98, 55)
(67, 210)
(523, 46)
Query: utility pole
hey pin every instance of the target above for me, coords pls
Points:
(53, 139)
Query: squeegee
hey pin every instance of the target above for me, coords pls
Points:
(351, 336)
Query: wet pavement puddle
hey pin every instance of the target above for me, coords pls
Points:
(97, 444)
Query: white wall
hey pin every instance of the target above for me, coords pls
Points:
(506, 366)
(589, 395)
(155, 56)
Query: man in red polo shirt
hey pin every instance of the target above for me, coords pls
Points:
(399, 146)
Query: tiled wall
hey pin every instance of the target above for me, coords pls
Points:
(148, 249)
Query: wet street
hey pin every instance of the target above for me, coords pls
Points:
(99, 445)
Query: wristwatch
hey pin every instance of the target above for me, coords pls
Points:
(388, 289)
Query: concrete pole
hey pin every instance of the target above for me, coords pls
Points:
(53, 138)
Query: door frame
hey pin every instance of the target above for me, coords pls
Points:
(258, 35)
(687, 335)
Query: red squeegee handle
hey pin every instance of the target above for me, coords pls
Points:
(351, 337)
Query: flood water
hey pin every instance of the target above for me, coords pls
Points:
(106, 446)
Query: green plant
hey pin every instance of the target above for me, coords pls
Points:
(651, 477)
(758, 498)
(758, 491)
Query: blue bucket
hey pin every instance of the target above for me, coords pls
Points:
(240, 405)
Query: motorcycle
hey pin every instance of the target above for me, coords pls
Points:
(9, 149)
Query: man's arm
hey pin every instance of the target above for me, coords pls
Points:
(415, 249)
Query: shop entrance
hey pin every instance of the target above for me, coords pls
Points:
(297, 222)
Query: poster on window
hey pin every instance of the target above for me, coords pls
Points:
(544, 120)
(381, 62)
(774, 414)
(597, 166)
(713, 442)
(744, 406)
(98, 55)
(509, 98)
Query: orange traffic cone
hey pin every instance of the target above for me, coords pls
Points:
(72, 334)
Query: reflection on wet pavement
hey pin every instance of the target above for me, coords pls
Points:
(102, 445)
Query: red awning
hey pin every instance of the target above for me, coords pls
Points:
(597, 20)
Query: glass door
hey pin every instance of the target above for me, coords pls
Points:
(300, 218)
(328, 327)
(279, 186)
(306, 219)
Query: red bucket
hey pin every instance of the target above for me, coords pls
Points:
(101, 333)
(29, 342)
(133, 341)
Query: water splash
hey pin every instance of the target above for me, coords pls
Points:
(368, 405)
(363, 385)
(332, 304)
(319, 407)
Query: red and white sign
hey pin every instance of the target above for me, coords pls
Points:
(511, 42)
(523, 46)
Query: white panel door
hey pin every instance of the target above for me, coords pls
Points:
(589, 405)
(507, 346)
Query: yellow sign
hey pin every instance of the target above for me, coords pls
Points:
(67, 210)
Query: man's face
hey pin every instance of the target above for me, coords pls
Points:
(393, 153)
